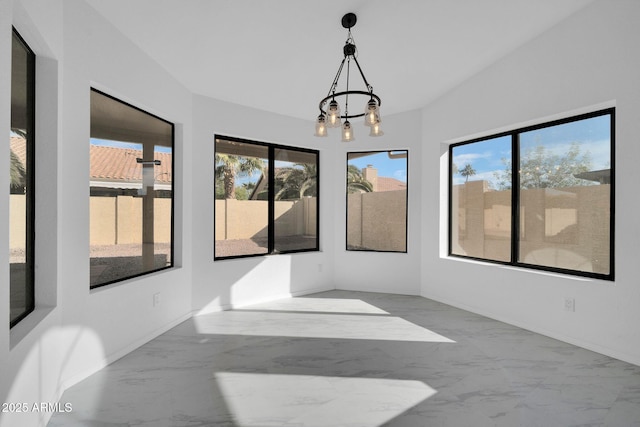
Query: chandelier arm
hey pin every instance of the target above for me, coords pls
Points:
(332, 89)
(369, 87)
(337, 77)
(346, 102)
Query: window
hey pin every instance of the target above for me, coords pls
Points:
(131, 191)
(555, 214)
(377, 201)
(21, 189)
(266, 198)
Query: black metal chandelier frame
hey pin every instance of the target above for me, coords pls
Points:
(349, 50)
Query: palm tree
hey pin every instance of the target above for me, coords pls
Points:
(230, 166)
(18, 175)
(296, 182)
(17, 169)
(467, 171)
(356, 182)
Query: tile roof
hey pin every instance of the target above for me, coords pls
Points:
(390, 184)
(119, 164)
(112, 163)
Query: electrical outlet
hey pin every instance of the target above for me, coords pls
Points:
(319, 268)
(569, 304)
(156, 299)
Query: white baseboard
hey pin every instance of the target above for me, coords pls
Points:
(225, 307)
(110, 358)
(633, 359)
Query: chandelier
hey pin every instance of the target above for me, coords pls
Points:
(330, 115)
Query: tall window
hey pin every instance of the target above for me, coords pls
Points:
(377, 201)
(22, 195)
(552, 211)
(266, 198)
(131, 191)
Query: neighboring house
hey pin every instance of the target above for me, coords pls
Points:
(114, 168)
(382, 183)
(390, 184)
(602, 176)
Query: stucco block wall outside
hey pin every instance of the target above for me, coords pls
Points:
(377, 221)
(118, 220)
(565, 228)
(247, 219)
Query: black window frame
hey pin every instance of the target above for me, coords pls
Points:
(515, 196)
(406, 227)
(173, 164)
(271, 147)
(30, 183)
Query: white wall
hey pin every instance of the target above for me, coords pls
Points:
(235, 282)
(75, 331)
(5, 119)
(397, 273)
(588, 60)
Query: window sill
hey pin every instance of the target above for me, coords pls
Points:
(27, 325)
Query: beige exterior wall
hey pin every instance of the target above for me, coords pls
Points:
(246, 219)
(162, 220)
(118, 220)
(17, 219)
(564, 228)
(241, 219)
(377, 220)
(102, 220)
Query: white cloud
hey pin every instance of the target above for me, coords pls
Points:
(400, 174)
(463, 159)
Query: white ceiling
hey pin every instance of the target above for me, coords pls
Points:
(282, 55)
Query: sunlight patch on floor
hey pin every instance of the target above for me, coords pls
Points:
(274, 400)
(328, 305)
(315, 325)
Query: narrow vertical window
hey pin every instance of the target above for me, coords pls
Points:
(22, 194)
(131, 191)
(242, 191)
(377, 201)
(481, 202)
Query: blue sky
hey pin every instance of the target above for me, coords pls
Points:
(132, 145)
(486, 157)
(392, 168)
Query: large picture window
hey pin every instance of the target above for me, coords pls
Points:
(539, 197)
(131, 191)
(266, 198)
(377, 201)
(21, 189)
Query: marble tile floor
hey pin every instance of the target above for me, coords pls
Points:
(343, 358)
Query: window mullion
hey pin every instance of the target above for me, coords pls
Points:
(271, 201)
(515, 197)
